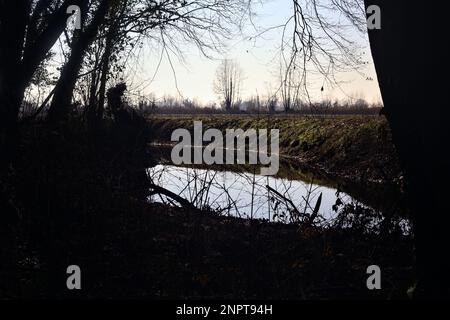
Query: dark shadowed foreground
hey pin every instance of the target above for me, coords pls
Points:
(74, 197)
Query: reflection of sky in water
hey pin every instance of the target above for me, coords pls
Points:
(231, 192)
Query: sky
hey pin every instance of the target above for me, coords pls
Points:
(258, 59)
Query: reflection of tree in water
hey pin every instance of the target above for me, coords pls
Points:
(250, 196)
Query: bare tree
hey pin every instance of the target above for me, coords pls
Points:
(271, 103)
(82, 40)
(127, 23)
(319, 42)
(290, 85)
(30, 28)
(228, 83)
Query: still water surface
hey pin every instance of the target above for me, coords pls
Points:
(245, 194)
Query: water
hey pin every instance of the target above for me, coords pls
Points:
(246, 195)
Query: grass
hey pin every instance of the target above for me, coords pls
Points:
(350, 147)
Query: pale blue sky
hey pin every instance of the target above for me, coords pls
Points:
(258, 60)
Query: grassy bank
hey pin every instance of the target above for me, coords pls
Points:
(350, 147)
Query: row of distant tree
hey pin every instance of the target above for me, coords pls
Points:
(228, 87)
(290, 96)
(254, 105)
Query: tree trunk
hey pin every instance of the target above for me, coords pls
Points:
(13, 19)
(104, 73)
(92, 101)
(409, 52)
(62, 98)
(61, 103)
(19, 59)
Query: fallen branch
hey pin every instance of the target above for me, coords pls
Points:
(182, 201)
(284, 198)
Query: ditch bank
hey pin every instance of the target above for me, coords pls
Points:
(349, 148)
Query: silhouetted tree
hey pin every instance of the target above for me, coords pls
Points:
(128, 22)
(407, 57)
(291, 82)
(28, 30)
(228, 82)
(82, 40)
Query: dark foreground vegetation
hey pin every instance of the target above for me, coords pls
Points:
(77, 196)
